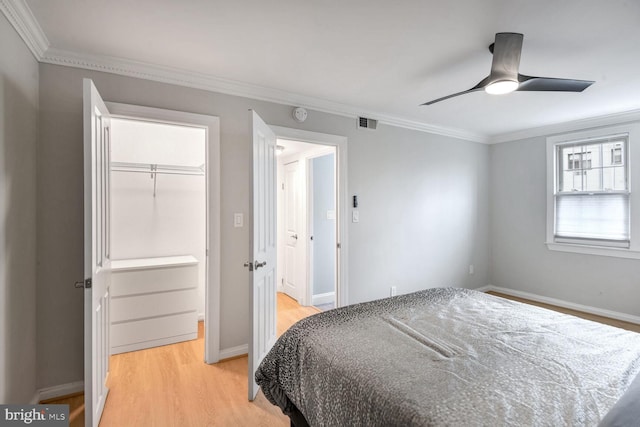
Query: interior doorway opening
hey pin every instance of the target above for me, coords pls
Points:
(158, 215)
(307, 223)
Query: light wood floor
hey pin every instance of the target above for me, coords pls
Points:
(172, 386)
(601, 319)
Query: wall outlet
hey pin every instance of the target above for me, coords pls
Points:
(393, 291)
(471, 269)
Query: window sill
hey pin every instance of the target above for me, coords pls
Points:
(594, 250)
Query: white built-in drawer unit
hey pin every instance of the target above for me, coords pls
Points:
(153, 302)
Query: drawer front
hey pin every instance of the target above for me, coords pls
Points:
(153, 305)
(153, 329)
(153, 280)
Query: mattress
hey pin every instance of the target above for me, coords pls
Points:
(452, 357)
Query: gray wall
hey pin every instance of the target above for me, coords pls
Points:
(324, 230)
(424, 210)
(423, 204)
(520, 259)
(18, 130)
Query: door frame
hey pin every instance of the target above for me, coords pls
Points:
(211, 125)
(342, 205)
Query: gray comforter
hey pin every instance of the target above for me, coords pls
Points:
(449, 357)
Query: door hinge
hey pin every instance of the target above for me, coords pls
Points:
(338, 245)
(86, 284)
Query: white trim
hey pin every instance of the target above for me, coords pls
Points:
(342, 208)
(59, 390)
(200, 317)
(212, 83)
(325, 298)
(593, 250)
(239, 350)
(21, 18)
(484, 288)
(212, 268)
(571, 126)
(565, 304)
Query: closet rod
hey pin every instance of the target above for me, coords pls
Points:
(153, 168)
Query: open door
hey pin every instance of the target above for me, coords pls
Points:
(294, 270)
(262, 246)
(97, 265)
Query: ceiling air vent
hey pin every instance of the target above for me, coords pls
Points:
(364, 123)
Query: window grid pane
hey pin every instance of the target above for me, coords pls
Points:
(596, 166)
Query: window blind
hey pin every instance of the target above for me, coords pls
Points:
(600, 217)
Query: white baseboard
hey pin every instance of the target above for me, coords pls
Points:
(325, 298)
(239, 350)
(59, 391)
(200, 317)
(565, 304)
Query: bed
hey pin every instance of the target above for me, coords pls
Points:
(452, 357)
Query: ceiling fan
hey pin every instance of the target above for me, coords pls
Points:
(505, 78)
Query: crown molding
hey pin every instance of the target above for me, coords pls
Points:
(20, 16)
(586, 123)
(127, 67)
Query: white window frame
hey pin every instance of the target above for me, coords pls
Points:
(633, 159)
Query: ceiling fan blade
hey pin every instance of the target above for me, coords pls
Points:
(548, 84)
(506, 56)
(479, 86)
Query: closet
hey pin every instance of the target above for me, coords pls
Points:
(158, 233)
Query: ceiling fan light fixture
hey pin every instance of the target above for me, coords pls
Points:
(501, 87)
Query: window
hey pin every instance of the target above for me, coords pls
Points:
(616, 155)
(590, 202)
(580, 160)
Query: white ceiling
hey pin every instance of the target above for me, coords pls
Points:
(376, 58)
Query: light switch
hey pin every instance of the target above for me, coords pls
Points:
(331, 214)
(238, 220)
(355, 216)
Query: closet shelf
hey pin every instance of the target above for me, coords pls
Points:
(153, 168)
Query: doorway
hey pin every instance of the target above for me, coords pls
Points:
(211, 167)
(307, 222)
(157, 209)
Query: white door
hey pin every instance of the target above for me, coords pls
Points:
(292, 263)
(262, 246)
(97, 265)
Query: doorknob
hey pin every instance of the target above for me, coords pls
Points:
(260, 264)
(249, 264)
